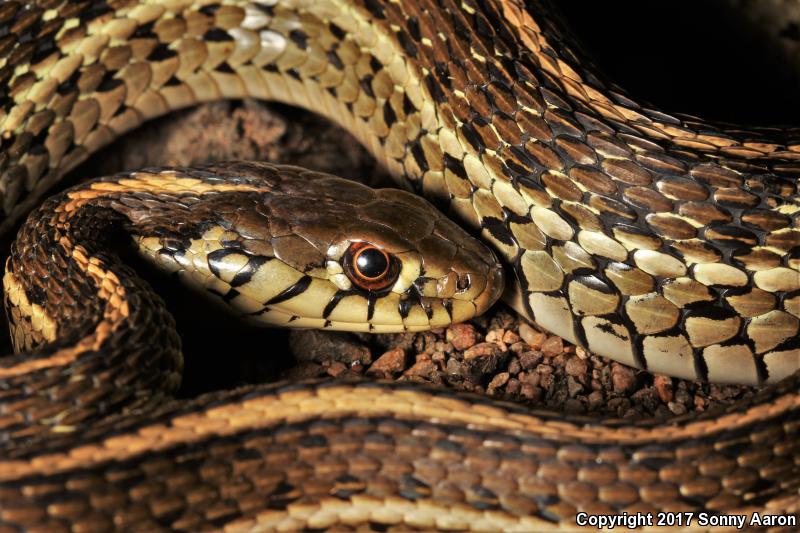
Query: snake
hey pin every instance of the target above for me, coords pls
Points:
(663, 241)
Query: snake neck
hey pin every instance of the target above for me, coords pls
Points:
(662, 242)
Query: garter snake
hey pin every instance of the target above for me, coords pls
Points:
(663, 242)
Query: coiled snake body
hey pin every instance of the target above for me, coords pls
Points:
(665, 243)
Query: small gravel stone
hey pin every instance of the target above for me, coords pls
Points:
(389, 363)
(573, 387)
(533, 378)
(530, 359)
(623, 377)
(531, 392)
(663, 385)
(576, 367)
(495, 336)
(482, 359)
(509, 337)
(455, 369)
(700, 403)
(553, 346)
(335, 368)
(513, 386)
(647, 398)
(498, 381)
(518, 347)
(595, 399)
(683, 396)
(424, 368)
(533, 338)
(462, 336)
(677, 408)
(619, 405)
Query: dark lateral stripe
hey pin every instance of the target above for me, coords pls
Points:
(371, 299)
(296, 289)
(404, 308)
(448, 306)
(245, 275)
(334, 301)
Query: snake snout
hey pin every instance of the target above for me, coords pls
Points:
(467, 278)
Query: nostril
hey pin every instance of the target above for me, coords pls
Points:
(463, 283)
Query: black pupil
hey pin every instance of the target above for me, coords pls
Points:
(371, 263)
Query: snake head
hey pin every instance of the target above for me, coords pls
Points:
(309, 250)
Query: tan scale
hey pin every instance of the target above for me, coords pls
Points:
(652, 313)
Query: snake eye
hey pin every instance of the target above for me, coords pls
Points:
(369, 267)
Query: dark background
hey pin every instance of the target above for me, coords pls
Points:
(700, 57)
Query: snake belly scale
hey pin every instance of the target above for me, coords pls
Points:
(664, 242)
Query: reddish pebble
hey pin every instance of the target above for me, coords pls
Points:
(482, 359)
(623, 377)
(518, 347)
(509, 337)
(700, 403)
(335, 368)
(389, 363)
(423, 368)
(533, 338)
(530, 359)
(553, 346)
(484, 349)
(531, 392)
(495, 336)
(462, 336)
(533, 378)
(576, 367)
(663, 386)
(498, 381)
